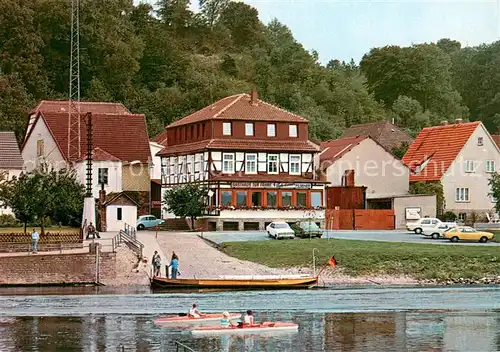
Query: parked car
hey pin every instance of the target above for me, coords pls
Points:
(466, 233)
(426, 223)
(436, 231)
(307, 229)
(146, 221)
(280, 229)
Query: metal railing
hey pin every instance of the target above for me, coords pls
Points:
(130, 230)
(21, 247)
(131, 242)
(182, 347)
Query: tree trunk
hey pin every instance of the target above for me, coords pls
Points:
(192, 223)
(42, 225)
(25, 226)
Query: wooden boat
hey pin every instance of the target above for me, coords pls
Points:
(242, 282)
(182, 320)
(253, 329)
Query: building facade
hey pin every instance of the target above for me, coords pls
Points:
(254, 158)
(11, 162)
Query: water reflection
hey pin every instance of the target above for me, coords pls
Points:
(398, 331)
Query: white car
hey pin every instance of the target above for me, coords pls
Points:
(436, 231)
(423, 224)
(279, 229)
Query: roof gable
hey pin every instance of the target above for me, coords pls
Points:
(161, 138)
(62, 106)
(240, 107)
(436, 148)
(125, 137)
(119, 198)
(387, 134)
(334, 149)
(10, 156)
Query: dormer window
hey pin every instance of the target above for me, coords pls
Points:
(226, 128)
(271, 130)
(249, 129)
(480, 141)
(292, 129)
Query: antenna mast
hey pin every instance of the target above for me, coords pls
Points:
(74, 138)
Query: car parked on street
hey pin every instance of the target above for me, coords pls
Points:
(467, 233)
(436, 231)
(307, 229)
(146, 221)
(422, 224)
(279, 230)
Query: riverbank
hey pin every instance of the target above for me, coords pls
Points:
(378, 262)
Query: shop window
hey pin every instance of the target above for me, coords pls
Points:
(241, 199)
(316, 200)
(256, 199)
(271, 199)
(301, 199)
(227, 198)
(286, 199)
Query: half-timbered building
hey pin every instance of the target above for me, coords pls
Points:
(254, 158)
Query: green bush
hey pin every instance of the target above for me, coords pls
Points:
(7, 220)
(448, 216)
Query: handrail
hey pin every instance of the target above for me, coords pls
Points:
(129, 229)
(185, 348)
(131, 242)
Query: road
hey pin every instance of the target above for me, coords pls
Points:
(382, 236)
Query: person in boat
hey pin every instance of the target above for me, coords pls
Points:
(248, 318)
(226, 321)
(174, 264)
(194, 312)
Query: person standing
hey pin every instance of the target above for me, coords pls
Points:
(158, 265)
(174, 264)
(34, 241)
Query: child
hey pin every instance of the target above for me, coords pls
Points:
(248, 318)
(226, 322)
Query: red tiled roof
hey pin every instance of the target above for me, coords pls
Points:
(48, 106)
(385, 133)
(10, 156)
(239, 144)
(335, 149)
(100, 155)
(264, 178)
(239, 107)
(161, 138)
(123, 136)
(441, 146)
(496, 139)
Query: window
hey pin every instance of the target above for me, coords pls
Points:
(251, 163)
(226, 128)
(241, 199)
(301, 199)
(119, 214)
(462, 194)
(479, 141)
(249, 129)
(272, 164)
(271, 199)
(316, 199)
(227, 198)
(292, 131)
(228, 163)
(103, 176)
(271, 130)
(295, 164)
(469, 165)
(256, 199)
(39, 147)
(425, 222)
(462, 217)
(490, 165)
(286, 199)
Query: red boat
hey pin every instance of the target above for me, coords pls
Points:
(246, 329)
(182, 320)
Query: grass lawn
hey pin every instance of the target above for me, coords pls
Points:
(63, 229)
(421, 261)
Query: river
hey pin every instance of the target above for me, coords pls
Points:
(349, 319)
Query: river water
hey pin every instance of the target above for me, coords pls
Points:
(350, 319)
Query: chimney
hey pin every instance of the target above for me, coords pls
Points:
(458, 121)
(444, 123)
(254, 97)
(349, 178)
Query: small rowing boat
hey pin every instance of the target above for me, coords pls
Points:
(269, 282)
(250, 329)
(182, 320)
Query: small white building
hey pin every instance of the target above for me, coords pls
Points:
(120, 210)
(11, 161)
(462, 156)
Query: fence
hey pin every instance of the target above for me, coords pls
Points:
(48, 237)
(360, 219)
(20, 247)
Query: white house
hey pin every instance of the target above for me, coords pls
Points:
(120, 210)
(383, 174)
(11, 161)
(462, 156)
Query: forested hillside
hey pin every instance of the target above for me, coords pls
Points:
(167, 61)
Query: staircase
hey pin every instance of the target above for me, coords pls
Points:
(180, 225)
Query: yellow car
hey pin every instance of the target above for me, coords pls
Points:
(466, 233)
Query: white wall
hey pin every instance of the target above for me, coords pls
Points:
(52, 155)
(155, 148)
(129, 216)
(114, 176)
(477, 182)
(383, 174)
(9, 174)
(426, 203)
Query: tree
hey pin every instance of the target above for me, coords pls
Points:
(211, 10)
(16, 194)
(430, 188)
(243, 23)
(400, 150)
(187, 201)
(494, 183)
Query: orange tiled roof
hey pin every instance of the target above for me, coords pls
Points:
(336, 148)
(240, 107)
(496, 139)
(161, 138)
(441, 146)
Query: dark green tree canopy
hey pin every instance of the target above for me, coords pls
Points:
(187, 201)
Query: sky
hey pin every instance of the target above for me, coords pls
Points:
(345, 29)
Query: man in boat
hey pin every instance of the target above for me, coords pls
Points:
(226, 321)
(248, 319)
(194, 312)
